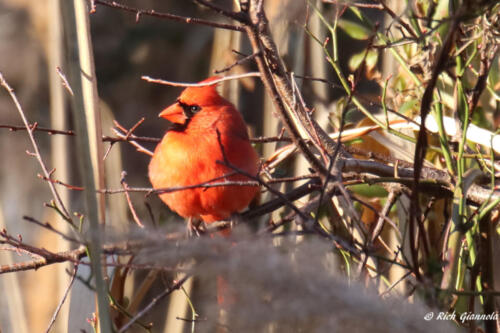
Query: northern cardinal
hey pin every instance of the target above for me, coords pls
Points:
(204, 125)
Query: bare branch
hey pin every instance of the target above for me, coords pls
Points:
(64, 80)
(240, 17)
(129, 201)
(236, 63)
(50, 131)
(34, 144)
(189, 20)
(153, 302)
(63, 299)
(211, 83)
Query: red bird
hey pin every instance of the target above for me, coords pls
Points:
(189, 151)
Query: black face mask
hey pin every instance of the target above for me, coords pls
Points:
(189, 110)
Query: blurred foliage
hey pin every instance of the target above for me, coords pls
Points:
(362, 67)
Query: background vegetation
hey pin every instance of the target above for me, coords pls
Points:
(356, 193)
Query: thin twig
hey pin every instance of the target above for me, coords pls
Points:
(64, 80)
(488, 54)
(58, 182)
(133, 128)
(421, 145)
(44, 258)
(355, 4)
(236, 63)
(53, 189)
(48, 226)
(50, 131)
(397, 19)
(131, 137)
(268, 139)
(240, 17)
(211, 83)
(391, 199)
(189, 20)
(129, 201)
(153, 302)
(134, 143)
(19, 251)
(259, 181)
(207, 184)
(63, 299)
(48, 258)
(395, 283)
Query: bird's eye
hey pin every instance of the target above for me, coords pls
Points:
(194, 108)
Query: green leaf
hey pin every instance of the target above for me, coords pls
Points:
(354, 29)
(408, 106)
(354, 141)
(369, 191)
(356, 60)
(370, 58)
(479, 119)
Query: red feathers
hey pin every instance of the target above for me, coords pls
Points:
(188, 153)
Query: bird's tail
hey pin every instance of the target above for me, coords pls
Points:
(226, 294)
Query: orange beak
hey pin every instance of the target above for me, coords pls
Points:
(174, 113)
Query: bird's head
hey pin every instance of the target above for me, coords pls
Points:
(191, 102)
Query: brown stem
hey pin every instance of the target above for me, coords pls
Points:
(421, 146)
(486, 263)
(50, 131)
(189, 20)
(268, 61)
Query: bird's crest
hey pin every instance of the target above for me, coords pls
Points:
(204, 95)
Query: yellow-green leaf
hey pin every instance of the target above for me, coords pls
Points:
(408, 106)
(370, 58)
(369, 191)
(356, 60)
(354, 29)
